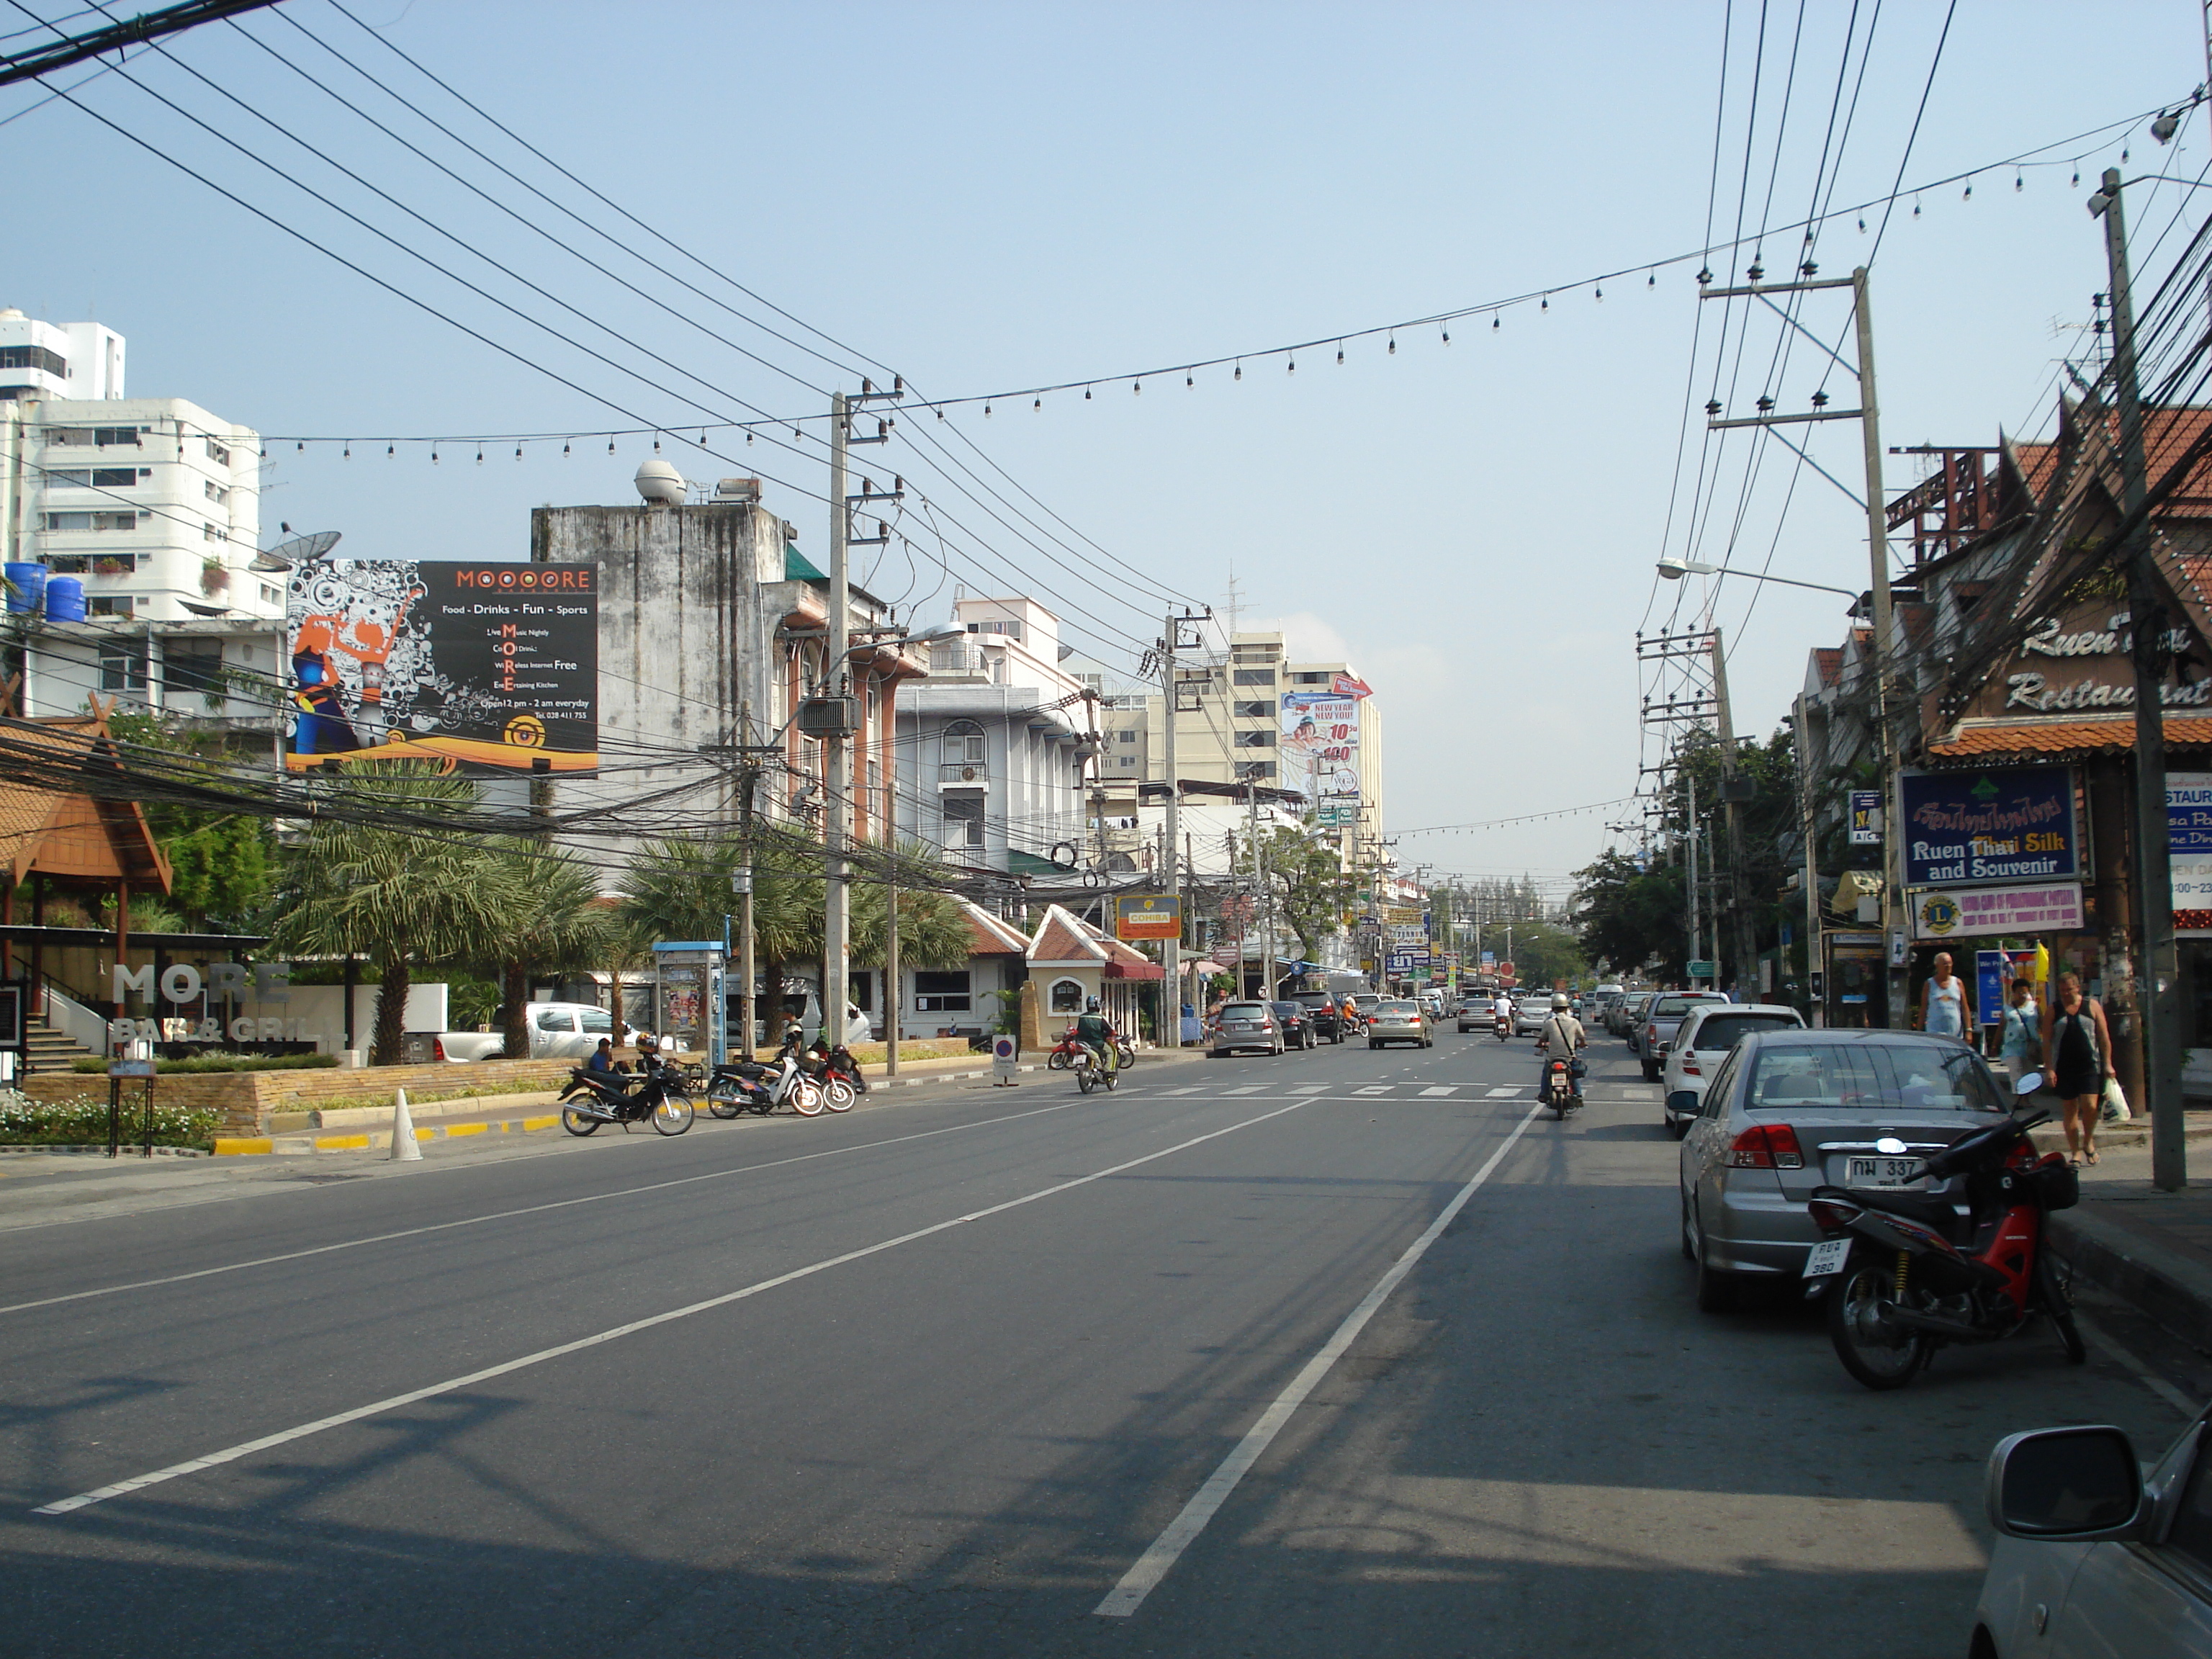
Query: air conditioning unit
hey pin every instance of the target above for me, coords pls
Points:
(830, 717)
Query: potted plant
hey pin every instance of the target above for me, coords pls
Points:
(215, 577)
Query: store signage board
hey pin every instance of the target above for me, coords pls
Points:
(1989, 824)
(1866, 817)
(1992, 971)
(1964, 912)
(1147, 915)
(1703, 969)
(2189, 837)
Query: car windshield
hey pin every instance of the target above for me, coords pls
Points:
(1398, 1008)
(1290, 1010)
(1243, 1011)
(1726, 1030)
(1875, 1077)
(1667, 1007)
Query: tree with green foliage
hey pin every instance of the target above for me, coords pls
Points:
(403, 897)
(557, 924)
(1545, 953)
(1626, 915)
(222, 864)
(1310, 886)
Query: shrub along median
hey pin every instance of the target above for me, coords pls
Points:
(82, 1120)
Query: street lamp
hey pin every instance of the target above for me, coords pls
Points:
(1674, 569)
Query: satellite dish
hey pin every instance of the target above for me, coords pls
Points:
(661, 484)
(298, 551)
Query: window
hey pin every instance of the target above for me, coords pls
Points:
(555, 1019)
(190, 665)
(123, 666)
(1067, 996)
(1250, 769)
(1261, 740)
(1253, 711)
(32, 356)
(220, 456)
(963, 818)
(215, 492)
(69, 564)
(121, 606)
(965, 743)
(1011, 630)
(1872, 1077)
(941, 993)
(1253, 677)
(269, 595)
(114, 564)
(2190, 1533)
(1310, 679)
(1256, 653)
(103, 436)
(125, 520)
(598, 1022)
(210, 533)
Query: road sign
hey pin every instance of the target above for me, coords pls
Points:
(1702, 970)
(1866, 817)
(1005, 1059)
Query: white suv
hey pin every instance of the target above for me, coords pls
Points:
(1708, 1031)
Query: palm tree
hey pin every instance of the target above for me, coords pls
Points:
(364, 886)
(555, 923)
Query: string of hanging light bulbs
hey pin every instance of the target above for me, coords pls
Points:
(1288, 354)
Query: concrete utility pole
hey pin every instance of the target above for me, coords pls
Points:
(2158, 996)
(1744, 944)
(1690, 783)
(1170, 864)
(837, 760)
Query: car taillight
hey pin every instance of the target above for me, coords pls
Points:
(1690, 1065)
(1652, 1034)
(438, 1047)
(1766, 1146)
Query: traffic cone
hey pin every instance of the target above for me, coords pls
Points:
(404, 1149)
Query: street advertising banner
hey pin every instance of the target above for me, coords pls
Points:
(490, 667)
(1992, 977)
(1147, 915)
(1962, 912)
(2189, 839)
(1866, 817)
(2000, 824)
(1320, 742)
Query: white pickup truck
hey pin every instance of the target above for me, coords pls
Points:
(558, 1030)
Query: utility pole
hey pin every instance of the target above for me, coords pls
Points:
(2158, 995)
(1171, 642)
(1733, 793)
(1868, 416)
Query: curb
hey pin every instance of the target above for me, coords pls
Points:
(375, 1140)
(2174, 1292)
(101, 1150)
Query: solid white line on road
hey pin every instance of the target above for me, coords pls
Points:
(1502, 1093)
(1154, 1564)
(1436, 1089)
(245, 1449)
(533, 1209)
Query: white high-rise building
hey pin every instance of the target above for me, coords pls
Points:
(153, 503)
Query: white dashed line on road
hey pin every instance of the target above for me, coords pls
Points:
(1375, 1088)
(1436, 1089)
(1501, 1094)
(1310, 1089)
(1199, 1090)
(1248, 1089)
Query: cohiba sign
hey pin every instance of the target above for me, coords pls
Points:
(2000, 824)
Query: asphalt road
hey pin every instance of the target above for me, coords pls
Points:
(948, 1375)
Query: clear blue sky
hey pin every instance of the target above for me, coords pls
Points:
(987, 196)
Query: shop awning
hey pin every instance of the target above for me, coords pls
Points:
(2058, 739)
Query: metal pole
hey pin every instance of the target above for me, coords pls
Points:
(1812, 862)
(837, 763)
(2158, 997)
(1171, 865)
(892, 1000)
(1745, 943)
(1690, 783)
(1892, 885)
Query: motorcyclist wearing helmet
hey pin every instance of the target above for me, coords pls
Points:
(1562, 1030)
(1095, 1032)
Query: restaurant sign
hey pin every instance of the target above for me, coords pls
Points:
(2000, 824)
(1962, 912)
(2188, 842)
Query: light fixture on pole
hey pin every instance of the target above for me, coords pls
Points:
(1674, 569)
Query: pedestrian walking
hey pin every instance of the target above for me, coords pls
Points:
(2021, 1045)
(1943, 1001)
(2077, 1050)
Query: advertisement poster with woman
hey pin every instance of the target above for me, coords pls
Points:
(1319, 735)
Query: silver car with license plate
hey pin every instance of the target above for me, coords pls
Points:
(1791, 1110)
(1399, 1021)
(1244, 1025)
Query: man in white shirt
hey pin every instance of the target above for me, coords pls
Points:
(1562, 1032)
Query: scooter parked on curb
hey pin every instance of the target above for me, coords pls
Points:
(1903, 1272)
(750, 1086)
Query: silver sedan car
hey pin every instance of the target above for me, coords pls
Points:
(1791, 1110)
(1398, 1021)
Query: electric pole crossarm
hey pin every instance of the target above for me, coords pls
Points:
(1718, 425)
(1757, 289)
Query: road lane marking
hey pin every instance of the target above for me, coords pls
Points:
(528, 1209)
(1375, 1088)
(1311, 1088)
(1246, 1089)
(1436, 1089)
(1199, 1089)
(1502, 1094)
(338, 1419)
(1154, 1564)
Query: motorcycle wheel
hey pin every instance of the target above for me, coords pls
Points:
(1113, 1080)
(1129, 1055)
(837, 1095)
(724, 1105)
(576, 1124)
(1878, 1360)
(806, 1097)
(1083, 1079)
(2057, 1288)
(675, 1116)
(1056, 1061)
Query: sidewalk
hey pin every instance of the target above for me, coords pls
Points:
(2149, 1248)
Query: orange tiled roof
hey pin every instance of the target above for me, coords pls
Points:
(72, 833)
(988, 936)
(2065, 736)
(1061, 937)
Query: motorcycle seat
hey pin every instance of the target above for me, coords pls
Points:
(1928, 1210)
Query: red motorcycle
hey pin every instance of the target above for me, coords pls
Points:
(1904, 1274)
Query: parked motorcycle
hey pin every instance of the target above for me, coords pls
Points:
(1904, 1273)
(655, 1094)
(838, 1066)
(750, 1087)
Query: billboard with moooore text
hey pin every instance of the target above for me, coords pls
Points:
(487, 665)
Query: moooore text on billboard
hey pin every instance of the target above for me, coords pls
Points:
(489, 665)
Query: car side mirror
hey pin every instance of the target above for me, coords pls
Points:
(2075, 1485)
(1683, 1101)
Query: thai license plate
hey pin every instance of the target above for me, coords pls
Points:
(1878, 1172)
(1827, 1257)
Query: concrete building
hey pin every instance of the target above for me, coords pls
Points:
(994, 749)
(153, 503)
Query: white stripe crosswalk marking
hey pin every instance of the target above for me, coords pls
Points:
(1310, 1088)
(1248, 1089)
(1199, 1090)
(1501, 1094)
(1436, 1090)
(1375, 1088)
